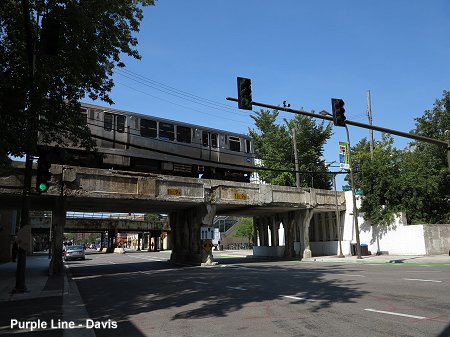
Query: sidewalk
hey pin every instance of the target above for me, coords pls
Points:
(439, 260)
(42, 300)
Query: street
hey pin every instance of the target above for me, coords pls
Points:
(147, 296)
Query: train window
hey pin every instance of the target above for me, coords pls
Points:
(247, 147)
(91, 114)
(166, 131)
(121, 123)
(148, 128)
(205, 141)
(84, 112)
(235, 144)
(183, 134)
(214, 140)
(108, 122)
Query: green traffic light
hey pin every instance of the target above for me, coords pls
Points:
(43, 187)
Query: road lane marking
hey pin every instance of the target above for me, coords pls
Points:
(149, 258)
(236, 288)
(298, 298)
(418, 279)
(199, 282)
(395, 314)
(423, 271)
(352, 275)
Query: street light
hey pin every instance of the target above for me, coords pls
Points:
(355, 210)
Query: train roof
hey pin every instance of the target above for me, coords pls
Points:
(88, 105)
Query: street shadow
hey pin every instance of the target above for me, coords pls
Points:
(192, 292)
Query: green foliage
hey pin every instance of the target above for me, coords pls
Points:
(273, 145)
(244, 228)
(415, 181)
(95, 35)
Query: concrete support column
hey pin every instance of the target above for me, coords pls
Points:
(265, 231)
(58, 224)
(207, 220)
(139, 240)
(288, 234)
(331, 228)
(102, 237)
(306, 222)
(324, 226)
(185, 228)
(274, 227)
(298, 232)
(255, 230)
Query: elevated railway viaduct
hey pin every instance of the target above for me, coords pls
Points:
(190, 203)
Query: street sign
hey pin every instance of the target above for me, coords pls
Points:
(359, 191)
(206, 233)
(344, 160)
(346, 188)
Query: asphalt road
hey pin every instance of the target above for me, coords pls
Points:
(147, 296)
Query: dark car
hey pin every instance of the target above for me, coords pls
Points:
(74, 253)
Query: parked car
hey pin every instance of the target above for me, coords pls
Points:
(74, 253)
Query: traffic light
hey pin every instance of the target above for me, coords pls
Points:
(337, 105)
(43, 175)
(50, 35)
(244, 93)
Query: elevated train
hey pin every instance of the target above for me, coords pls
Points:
(132, 141)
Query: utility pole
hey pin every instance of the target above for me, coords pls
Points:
(369, 112)
(297, 173)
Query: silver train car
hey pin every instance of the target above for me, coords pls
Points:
(131, 141)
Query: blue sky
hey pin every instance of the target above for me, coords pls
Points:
(304, 52)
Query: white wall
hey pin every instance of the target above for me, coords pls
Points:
(396, 239)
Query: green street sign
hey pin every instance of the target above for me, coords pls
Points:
(359, 191)
(346, 188)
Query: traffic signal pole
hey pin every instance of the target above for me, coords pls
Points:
(355, 209)
(439, 142)
(32, 127)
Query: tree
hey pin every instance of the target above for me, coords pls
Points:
(427, 166)
(244, 228)
(379, 177)
(93, 36)
(273, 145)
(415, 180)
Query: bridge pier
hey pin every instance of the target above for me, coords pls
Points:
(185, 227)
(58, 224)
(306, 222)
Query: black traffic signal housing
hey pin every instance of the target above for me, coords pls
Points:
(50, 35)
(337, 105)
(244, 93)
(43, 175)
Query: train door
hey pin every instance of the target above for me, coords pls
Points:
(116, 130)
(210, 144)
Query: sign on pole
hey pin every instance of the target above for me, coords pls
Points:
(206, 233)
(343, 156)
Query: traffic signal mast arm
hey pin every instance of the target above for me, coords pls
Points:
(349, 122)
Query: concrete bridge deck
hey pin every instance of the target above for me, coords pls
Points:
(100, 190)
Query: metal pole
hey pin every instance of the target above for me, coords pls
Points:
(338, 218)
(349, 122)
(355, 210)
(24, 216)
(369, 111)
(297, 173)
